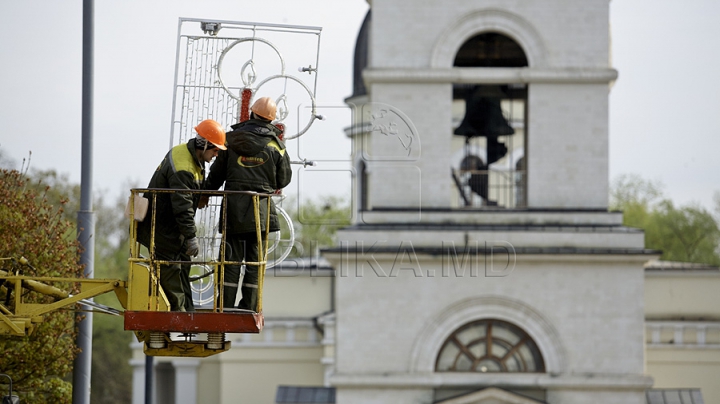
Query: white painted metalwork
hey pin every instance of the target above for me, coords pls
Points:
(215, 61)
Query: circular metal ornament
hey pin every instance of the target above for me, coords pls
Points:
(313, 111)
(248, 63)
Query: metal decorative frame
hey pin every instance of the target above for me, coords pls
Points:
(202, 90)
(313, 111)
(251, 79)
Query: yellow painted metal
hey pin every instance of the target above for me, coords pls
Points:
(141, 292)
(144, 293)
(154, 290)
(194, 349)
(219, 270)
(190, 349)
(35, 284)
(17, 327)
(19, 318)
(185, 349)
(263, 246)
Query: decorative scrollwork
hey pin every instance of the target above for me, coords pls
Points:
(251, 75)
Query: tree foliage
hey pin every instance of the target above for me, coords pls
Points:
(111, 377)
(33, 225)
(316, 222)
(683, 233)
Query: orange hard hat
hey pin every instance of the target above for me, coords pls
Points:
(213, 132)
(265, 107)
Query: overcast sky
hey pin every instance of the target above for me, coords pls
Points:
(664, 108)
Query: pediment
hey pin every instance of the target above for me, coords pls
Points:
(490, 395)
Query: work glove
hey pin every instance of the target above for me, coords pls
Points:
(193, 247)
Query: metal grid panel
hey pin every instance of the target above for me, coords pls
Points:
(199, 92)
(207, 49)
(199, 95)
(310, 395)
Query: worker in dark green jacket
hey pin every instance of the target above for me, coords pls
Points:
(256, 160)
(183, 168)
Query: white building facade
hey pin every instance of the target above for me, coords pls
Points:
(456, 284)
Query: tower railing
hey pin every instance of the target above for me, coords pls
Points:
(490, 188)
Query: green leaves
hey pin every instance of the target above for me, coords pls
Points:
(316, 223)
(33, 225)
(37, 220)
(685, 233)
(688, 233)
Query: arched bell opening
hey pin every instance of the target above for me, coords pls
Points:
(490, 49)
(489, 127)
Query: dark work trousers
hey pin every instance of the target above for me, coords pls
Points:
(174, 284)
(188, 304)
(241, 246)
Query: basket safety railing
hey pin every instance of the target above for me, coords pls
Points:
(217, 260)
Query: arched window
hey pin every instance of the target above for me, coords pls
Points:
(489, 125)
(489, 346)
(490, 49)
(363, 185)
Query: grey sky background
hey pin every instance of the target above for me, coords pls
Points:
(664, 108)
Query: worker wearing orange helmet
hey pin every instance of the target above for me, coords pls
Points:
(175, 234)
(256, 160)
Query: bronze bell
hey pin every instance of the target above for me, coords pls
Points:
(483, 115)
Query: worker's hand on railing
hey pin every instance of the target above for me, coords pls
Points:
(193, 247)
(204, 200)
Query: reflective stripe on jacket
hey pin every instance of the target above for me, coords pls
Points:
(175, 215)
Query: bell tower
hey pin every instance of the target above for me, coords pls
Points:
(484, 265)
(549, 85)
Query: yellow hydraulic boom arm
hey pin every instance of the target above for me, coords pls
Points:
(198, 333)
(18, 317)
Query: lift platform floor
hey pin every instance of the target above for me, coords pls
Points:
(194, 322)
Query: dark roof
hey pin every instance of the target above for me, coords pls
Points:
(361, 56)
(309, 395)
(559, 227)
(673, 396)
(495, 249)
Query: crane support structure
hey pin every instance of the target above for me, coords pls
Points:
(199, 333)
(18, 318)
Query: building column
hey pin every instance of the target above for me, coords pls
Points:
(328, 342)
(186, 370)
(138, 381)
